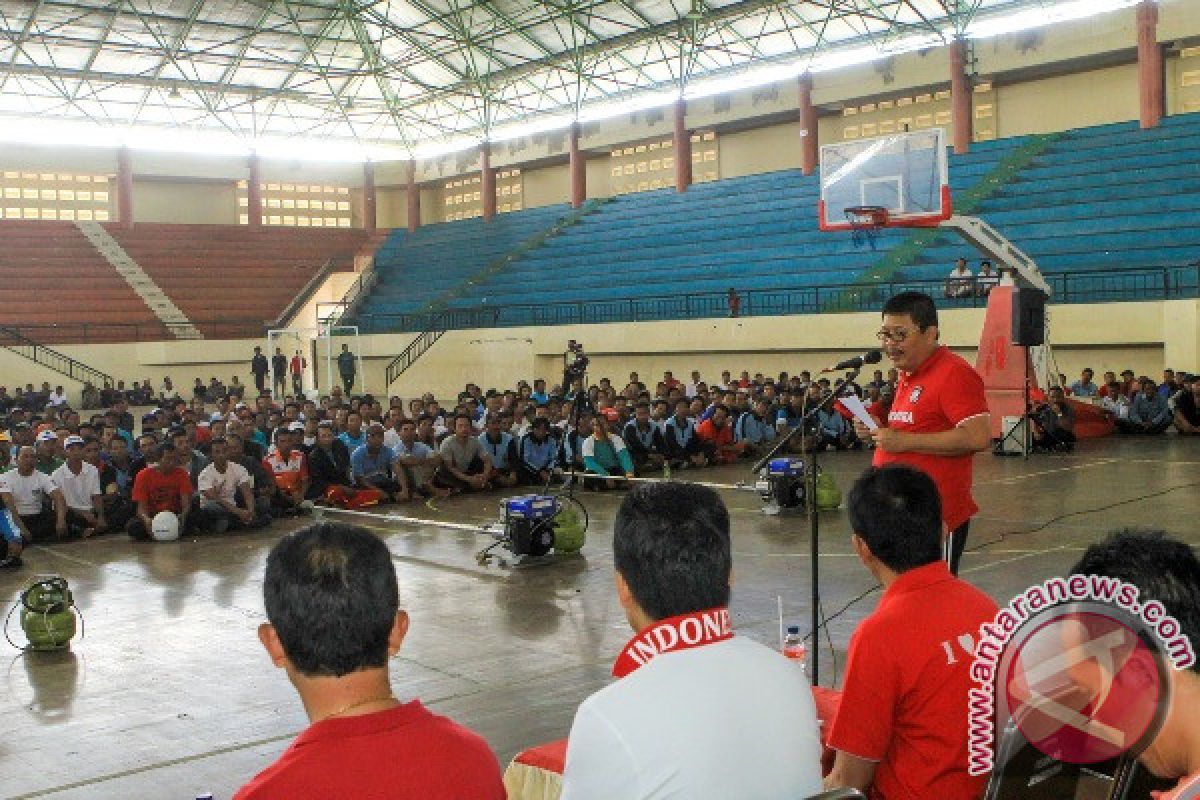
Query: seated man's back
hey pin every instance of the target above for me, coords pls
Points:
(901, 727)
(403, 752)
(332, 602)
(697, 713)
(732, 719)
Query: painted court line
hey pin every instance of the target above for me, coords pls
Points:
(1073, 468)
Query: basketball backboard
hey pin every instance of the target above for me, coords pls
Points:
(907, 174)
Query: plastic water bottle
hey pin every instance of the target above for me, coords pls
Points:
(795, 649)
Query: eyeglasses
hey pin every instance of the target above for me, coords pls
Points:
(898, 335)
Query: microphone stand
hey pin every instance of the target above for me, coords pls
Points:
(814, 524)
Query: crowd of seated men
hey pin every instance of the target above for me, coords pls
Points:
(247, 463)
(1137, 405)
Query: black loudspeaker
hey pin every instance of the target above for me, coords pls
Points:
(1028, 317)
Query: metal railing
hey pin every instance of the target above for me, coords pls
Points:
(1109, 285)
(436, 323)
(52, 359)
(105, 332)
(1160, 283)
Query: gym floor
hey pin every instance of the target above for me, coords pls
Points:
(169, 693)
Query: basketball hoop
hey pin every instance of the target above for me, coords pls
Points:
(865, 222)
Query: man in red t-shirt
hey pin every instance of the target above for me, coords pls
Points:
(717, 435)
(164, 486)
(363, 743)
(901, 727)
(939, 417)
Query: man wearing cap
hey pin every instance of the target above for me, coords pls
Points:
(79, 483)
(33, 500)
(47, 452)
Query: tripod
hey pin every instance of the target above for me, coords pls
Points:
(814, 524)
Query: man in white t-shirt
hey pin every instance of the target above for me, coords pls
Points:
(697, 712)
(79, 483)
(57, 398)
(36, 504)
(227, 494)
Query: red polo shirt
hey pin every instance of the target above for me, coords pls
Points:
(904, 704)
(944, 392)
(404, 753)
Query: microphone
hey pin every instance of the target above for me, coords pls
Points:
(869, 357)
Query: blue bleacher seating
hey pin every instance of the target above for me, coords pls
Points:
(1097, 199)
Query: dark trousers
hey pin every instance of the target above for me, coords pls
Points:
(347, 382)
(212, 517)
(956, 542)
(40, 526)
(117, 510)
(1125, 426)
(297, 384)
(260, 381)
(448, 480)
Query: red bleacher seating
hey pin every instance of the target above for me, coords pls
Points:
(55, 283)
(226, 278)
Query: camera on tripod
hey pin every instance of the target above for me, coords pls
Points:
(575, 364)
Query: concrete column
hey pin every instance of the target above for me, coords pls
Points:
(368, 192)
(809, 142)
(577, 169)
(1150, 65)
(487, 191)
(960, 97)
(682, 142)
(124, 188)
(414, 197)
(254, 194)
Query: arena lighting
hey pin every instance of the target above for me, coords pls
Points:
(21, 128)
(988, 27)
(58, 132)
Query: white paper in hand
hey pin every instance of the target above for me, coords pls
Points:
(856, 407)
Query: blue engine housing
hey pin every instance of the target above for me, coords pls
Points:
(789, 467)
(531, 506)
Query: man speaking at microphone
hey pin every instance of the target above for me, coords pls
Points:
(939, 418)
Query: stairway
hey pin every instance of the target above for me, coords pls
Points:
(52, 359)
(151, 293)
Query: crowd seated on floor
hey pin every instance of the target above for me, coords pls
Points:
(246, 463)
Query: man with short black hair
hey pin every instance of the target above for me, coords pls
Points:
(37, 506)
(372, 464)
(1084, 387)
(644, 440)
(465, 466)
(501, 449)
(1165, 571)
(227, 494)
(1187, 407)
(1149, 413)
(163, 486)
(537, 453)
(697, 712)
(334, 622)
(901, 726)
(939, 418)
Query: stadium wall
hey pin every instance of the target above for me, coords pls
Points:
(1143, 336)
